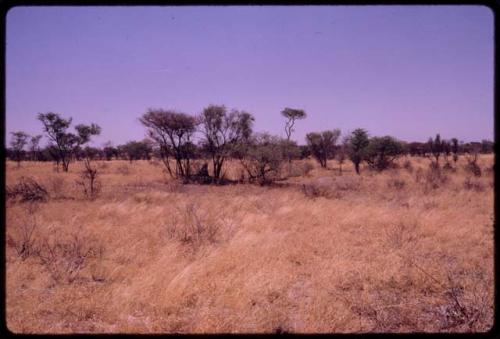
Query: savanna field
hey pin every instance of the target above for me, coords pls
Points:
(404, 250)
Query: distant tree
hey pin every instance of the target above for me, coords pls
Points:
(304, 151)
(486, 146)
(357, 143)
(404, 148)
(454, 149)
(382, 151)
(34, 147)
(262, 157)
(472, 151)
(415, 148)
(109, 151)
(172, 131)
(322, 145)
(341, 154)
(446, 150)
(436, 148)
(51, 153)
(291, 115)
(221, 131)
(67, 143)
(137, 150)
(91, 153)
(17, 143)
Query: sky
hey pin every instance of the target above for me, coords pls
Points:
(405, 71)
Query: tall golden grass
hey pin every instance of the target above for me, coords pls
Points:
(380, 252)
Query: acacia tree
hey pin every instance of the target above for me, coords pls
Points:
(357, 143)
(172, 131)
(66, 143)
(291, 115)
(17, 144)
(322, 145)
(221, 131)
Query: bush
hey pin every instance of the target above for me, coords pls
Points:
(56, 186)
(419, 175)
(473, 168)
(25, 242)
(191, 227)
(103, 165)
(262, 158)
(489, 169)
(474, 185)
(300, 169)
(434, 177)
(27, 190)
(330, 188)
(408, 166)
(396, 183)
(89, 181)
(321, 187)
(347, 183)
(65, 257)
(449, 168)
(123, 169)
(382, 151)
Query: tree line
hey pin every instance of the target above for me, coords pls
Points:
(219, 134)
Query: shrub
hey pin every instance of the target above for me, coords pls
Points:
(103, 165)
(154, 162)
(489, 169)
(330, 188)
(300, 169)
(307, 167)
(475, 185)
(465, 309)
(25, 242)
(56, 186)
(262, 158)
(382, 151)
(419, 175)
(191, 227)
(89, 181)
(408, 166)
(27, 190)
(449, 168)
(396, 183)
(434, 177)
(473, 168)
(123, 169)
(65, 257)
(347, 183)
(321, 187)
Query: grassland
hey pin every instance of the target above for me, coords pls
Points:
(397, 251)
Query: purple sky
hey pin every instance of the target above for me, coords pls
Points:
(406, 71)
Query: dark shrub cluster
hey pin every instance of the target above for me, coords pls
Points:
(27, 190)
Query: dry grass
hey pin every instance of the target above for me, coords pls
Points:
(398, 251)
